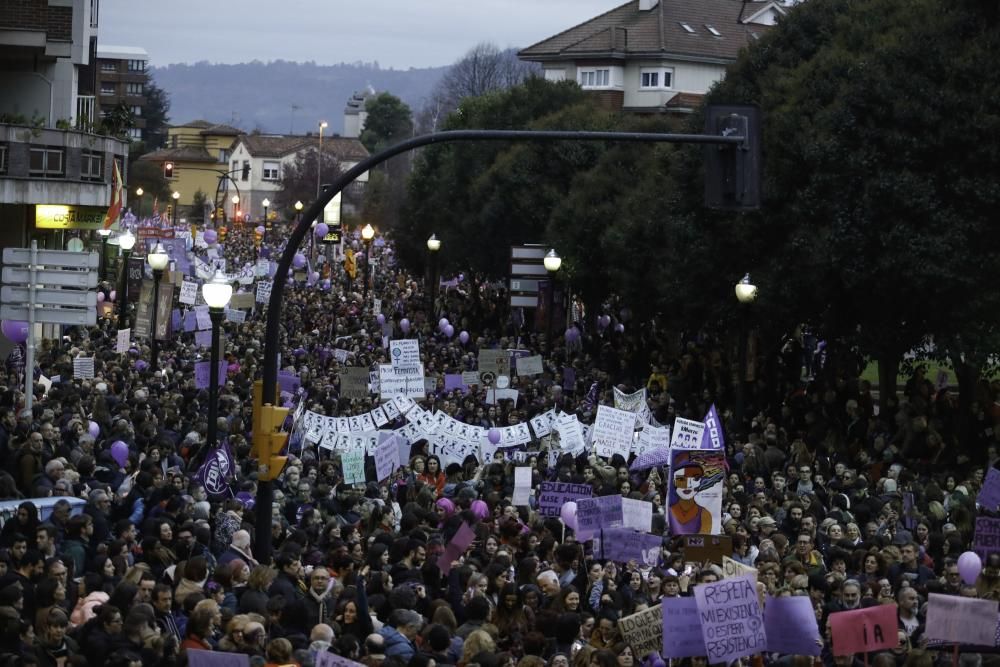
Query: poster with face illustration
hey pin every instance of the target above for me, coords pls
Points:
(697, 480)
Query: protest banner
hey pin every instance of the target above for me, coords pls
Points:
(637, 514)
(522, 485)
(353, 463)
(650, 438)
(553, 495)
(200, 658)
(732, 621)
(643, 631)
(713, 438)
(529, 365)
(453, 381)
(634, 403)
(695, 493)
(464, 536)
(570, 433)
(354, 382)
(989, 495)
(593, 514)
(203, 373)
(987, 538)
(865, 630)
(734, 568)
(687, 434)
(123, 341)
(189, 293)
(386, 457)
(790, 625)
(961, 620)
(681, 628)
(263, 291)
(492, 364)
(400, 382)
(405, 353)
(83, 368)
(541, 425)
(330, 659)
(233, 315)
(288, 382)
(242, 301)
(470, 378)
(623, 545)
(613, 431)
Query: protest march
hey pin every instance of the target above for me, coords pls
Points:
(458, 489)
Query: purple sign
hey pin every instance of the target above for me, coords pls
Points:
(987, 538)
(681, 628)
(288, 381)
(553, 495)
(175, 320)
(203, 338)
(732, 622)
(453, 381)
(190, 321)
(989, 496)
(790, 625)
(593, 514)
(203, 371)
(215, 473)
(622, 545)
(463, 538)
(712, 437)
(654, 457)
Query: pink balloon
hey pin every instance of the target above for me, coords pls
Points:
(494, 436)
(969, 566)
(568, 514)
(100, 297)
(404, 325)
(113, 296)
(14, 330)
(463, 337)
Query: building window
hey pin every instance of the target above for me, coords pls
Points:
(712, 30)
(555, 75)
(134, 88)
(595, 78)
(224, 155)
(137, 65)
(92, 166)
(3, 158)
(655, 78)
(246, 171)
(136, 111)
(109, 66)
(272, 171)
(108, 88)
(135, 133)
(688, 29)
(46, 162)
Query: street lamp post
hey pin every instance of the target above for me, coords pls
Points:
(177, 197)
(236, 207)
(217, 292)
(126, 242)
(267, 204)
(433, 245)
(367, 234)
(138, 193)
(746, 293)
(104, 234)
(319, 158)
(158, 260)
(552, 263)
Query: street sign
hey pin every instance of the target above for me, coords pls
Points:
(61, 258)
(70, 316)
(518, 301)
(48, 297)
(51, 277)
(524, 285)
(527, 271)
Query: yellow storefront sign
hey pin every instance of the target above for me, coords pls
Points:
(59, 216)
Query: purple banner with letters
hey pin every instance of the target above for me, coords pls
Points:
(987, 539)
(593, 514)
(712, 438)
(553, 495)
(623, 544)
(989, 497)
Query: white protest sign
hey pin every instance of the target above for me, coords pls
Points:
(83, 368)
(124, 341)
(570, 433)
(637, 514)
(405, 353)
(612, 433)
(961, 620)
(651, 437)
(396, 381)
(734, 568)
(189, 293)
(263, 291)
(687, 434)
(529, 365)
(387, 457)
(354, 466)
(237, 316)
(522, 485)
(542, 424)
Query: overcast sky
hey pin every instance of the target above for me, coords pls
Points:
(396, 33)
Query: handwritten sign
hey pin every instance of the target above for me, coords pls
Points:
(405, 353)
(553, 495)
(682, 628)
(592, 514)
(397, 381)
(989, 496)
(613, 431)
(354, 382)
(987, 537)
(529, 365)
(650, 438)
(687, 434)
(189, 292)
(622, 545)
(865, 630)
(386, 457)
(570, 433)
(643, 631)
(124, 341)
(263, 291)
(354, 466)
(637, 514)
(732, 621)
(961, 620)
(734, 568)
(790, 624)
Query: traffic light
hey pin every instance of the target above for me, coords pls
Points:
(732, 171)
(168, 170)
(268, 441)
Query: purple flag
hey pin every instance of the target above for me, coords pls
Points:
(989, 496)
(682, 628)
(790, 626)
(215, 472)
(203, 371)
(459, 543)
(712, 437)
(590, 401)
(654, 457)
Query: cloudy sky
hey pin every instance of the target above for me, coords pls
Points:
(396, 33)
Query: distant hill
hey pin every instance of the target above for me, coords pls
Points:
(261, 95)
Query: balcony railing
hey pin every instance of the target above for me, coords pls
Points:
(85, 105)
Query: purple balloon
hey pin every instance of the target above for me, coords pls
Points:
(299, 260)
(463, 337)
(119, 452)
(322, 229)
(14, 330)
(449, 331)
(300, 351)
(442, 323)
(404, 325)
(969, 566)
(326, 284)
(94, 429)
(211, 236)
(494, 435)
(380, 318)
(619, 328)
(572, 335)
(141, 365)
(100, 297)
(568, 514)
(260, 229)
(113, 296)
(603, 321)
(314, 276)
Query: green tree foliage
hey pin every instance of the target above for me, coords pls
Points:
(298, 180)
(389, 121)
(196, 212)
(154, 135)
(149, 177)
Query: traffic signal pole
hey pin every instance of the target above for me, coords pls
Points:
(735, 146)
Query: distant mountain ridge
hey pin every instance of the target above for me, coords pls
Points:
(258, 95)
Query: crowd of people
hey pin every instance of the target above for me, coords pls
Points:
(830, 494)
